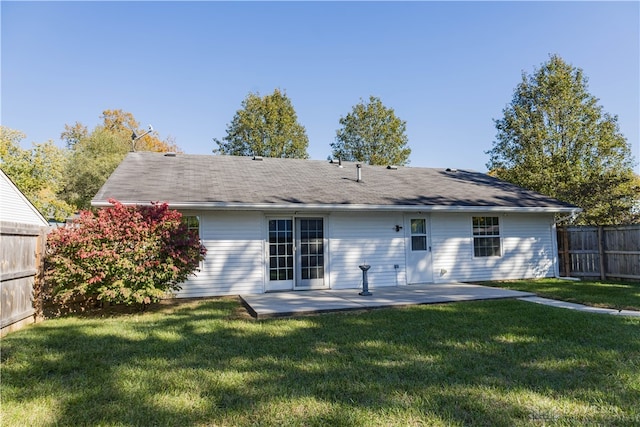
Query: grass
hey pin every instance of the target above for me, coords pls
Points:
(498, 363)
(609, 294)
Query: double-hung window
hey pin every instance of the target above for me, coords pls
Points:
(192, 223)
(193, 227)
(486, 236)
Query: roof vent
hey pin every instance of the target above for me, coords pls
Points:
(392, 167)
(257, 158)
(358, 172)
(451, 170)
(170, 154)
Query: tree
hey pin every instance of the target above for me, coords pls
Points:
(38, 173)
(74, 134)
(91, 162)
(123, 124)
(95, 155)
(122, 254)
(265, 126)
(373, 134)
(555, 139)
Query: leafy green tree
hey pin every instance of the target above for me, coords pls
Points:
(372, 133)
(38, 173)
(73, 134)
(121, 254)
(124, 124)
(265, 126)
(95, 154)
(91, 162)
(554, 138)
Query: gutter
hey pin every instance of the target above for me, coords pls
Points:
(349, 207)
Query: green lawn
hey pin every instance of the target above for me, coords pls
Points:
(609, 294)
(490, 363)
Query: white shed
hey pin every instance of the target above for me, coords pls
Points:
(289, 224)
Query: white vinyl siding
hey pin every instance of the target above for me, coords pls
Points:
(527, 248)
(234, 263)
(15, 207)
(237, 258)
(358, 238)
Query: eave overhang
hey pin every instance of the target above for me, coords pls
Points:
(319, 207)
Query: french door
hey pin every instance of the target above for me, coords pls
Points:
(296, 254)
(280, 274)
(309, 253)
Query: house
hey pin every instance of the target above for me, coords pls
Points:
(289, 224)
(22, 241)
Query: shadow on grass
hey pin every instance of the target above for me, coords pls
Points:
(480, 363)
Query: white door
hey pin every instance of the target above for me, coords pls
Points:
(280, 263)
(418, 249)
(296, 254)
(309, 253)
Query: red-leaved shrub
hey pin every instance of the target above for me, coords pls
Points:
(122, 254)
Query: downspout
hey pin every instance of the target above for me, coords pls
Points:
(570, 216)
(554, 246)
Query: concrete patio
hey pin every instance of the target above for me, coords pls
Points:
(319, 301)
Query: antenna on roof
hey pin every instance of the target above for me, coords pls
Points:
(135, 137)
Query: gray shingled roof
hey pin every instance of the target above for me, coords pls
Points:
(206, 181)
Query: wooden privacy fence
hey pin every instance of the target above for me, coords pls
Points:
(21, 268)
(605, 252)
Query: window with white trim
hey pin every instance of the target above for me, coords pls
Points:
(193, 226)
(486, 236)
(192, 223)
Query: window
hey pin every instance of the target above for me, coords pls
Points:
(418, 234)
(193, 223)
(486, 236)
(193, 226)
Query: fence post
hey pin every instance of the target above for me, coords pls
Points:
(601, 255)
(566, 255)
(38, 283)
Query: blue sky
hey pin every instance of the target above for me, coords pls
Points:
(447, 69)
